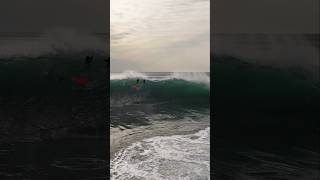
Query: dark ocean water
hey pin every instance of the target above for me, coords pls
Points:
(68, 158)
(51, 128)
(266, 99)
(160, 131)
(265, 123)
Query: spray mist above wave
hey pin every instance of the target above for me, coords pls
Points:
(58, 41)
(195, 77)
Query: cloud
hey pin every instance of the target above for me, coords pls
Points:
(160, 35)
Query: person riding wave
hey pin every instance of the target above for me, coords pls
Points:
(136, 86)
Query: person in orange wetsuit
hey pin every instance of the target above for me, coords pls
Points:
(136, 87)
(81, 81)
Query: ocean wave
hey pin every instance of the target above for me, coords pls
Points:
(267, 96)
(124, 89)
(128, 75)
(277, 50)
(165, 157)
(197, 77)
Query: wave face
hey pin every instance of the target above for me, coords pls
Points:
(36, 88)
(36, 76)
(159, 87)
(165, 157)
(277, 50)
(252, 90)
(262, 114)
(237, 81)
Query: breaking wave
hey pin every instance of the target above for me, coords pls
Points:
(156, 88)
(197, 77)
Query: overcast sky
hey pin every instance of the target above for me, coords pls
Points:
(160, 35)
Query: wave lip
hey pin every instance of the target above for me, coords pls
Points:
(165, 157)
(127, 75)
(196, 77)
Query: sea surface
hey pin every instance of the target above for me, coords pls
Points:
(162, 130)
(266, 98)
(50, 128)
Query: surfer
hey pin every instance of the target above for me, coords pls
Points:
(107, 60)
(144, 81)
(136, 86)
(81, 81)
(89, 60)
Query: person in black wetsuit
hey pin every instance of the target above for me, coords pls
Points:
(89, 60)
(107, 61)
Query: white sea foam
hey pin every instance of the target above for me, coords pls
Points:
(197, 77)
(165, 157)
(127, 75)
